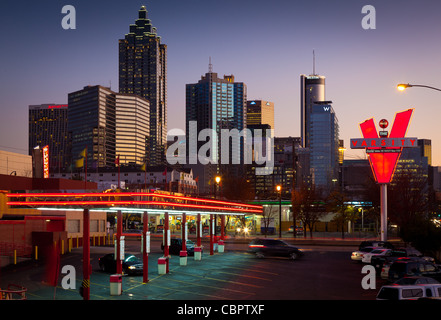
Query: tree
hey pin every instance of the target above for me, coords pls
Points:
(306, 205)
(269, 214)
(408, 197)
(336, 202)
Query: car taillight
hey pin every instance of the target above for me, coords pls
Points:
(257, 246)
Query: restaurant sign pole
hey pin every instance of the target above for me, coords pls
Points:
(384, 150)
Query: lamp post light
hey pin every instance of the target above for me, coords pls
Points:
(217, 179)
(279, 189)
(404, 86)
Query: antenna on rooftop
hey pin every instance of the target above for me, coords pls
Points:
(210, 66)
(313, 62)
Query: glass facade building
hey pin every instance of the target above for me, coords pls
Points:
(109, 124)
(312, 89)
(91, 123)
(216, 103)
(324, 146)
(143, 71)
(260, 112)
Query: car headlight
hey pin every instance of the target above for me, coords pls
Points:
(132, 267)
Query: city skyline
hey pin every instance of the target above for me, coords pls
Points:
(269, 46)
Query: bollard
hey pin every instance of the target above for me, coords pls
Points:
(162, 265)
(62, 246)
(183, 258)
(197, 253)
(15, 256)
(115, 285)
(220, 246)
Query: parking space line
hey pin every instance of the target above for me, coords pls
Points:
(174, 290)
(221, 280)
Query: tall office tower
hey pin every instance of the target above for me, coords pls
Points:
(324, 145)
(260, 112)
(425, 146)
(48, 126)
(91, 123)
(215, 103)
(132, 121)
(143, 71)
(312, 89)
(109, 124)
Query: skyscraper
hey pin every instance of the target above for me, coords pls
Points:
(109, 124)
(324, 145)
(260, 112)
(312, 89)
(132, 121)
(217, 103)
(48, 126)
(91, 123)
(143, 71)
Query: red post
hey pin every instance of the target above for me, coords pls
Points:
(198, 230)
(118, 242)
(183, 224)
(222, 227)
(166, 244)
(211, 226)
(86, 255)
(145, 255)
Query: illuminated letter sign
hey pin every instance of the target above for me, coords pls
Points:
(46, 162)
(384, 152)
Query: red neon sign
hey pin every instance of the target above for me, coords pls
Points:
(46, 162)
(383, 164)
(220, 205)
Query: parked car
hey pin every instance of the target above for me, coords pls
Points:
(379, 260)
(409, 292)
(131, 265)
(374, 243)
(376, 252)
(299, 230)
(389, 260)
(409, 252)
(358, 255)
(416, 280)
(274, 248)
(413, 267)
(176, 246)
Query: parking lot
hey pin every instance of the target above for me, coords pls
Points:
(323, 273)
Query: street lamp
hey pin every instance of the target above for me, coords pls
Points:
(404, 86)
(217, 179)
(279, 189)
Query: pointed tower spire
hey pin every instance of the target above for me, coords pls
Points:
(210, 66)
(313, 62)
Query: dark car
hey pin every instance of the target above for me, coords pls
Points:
(379, 261)
(275, 248)
(131, 264)
(396, 254)
(416, 280)
(375, 243)
(176, 247)
(413, 267)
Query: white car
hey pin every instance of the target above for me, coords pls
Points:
(409, 292)
(358, 255)
(377, 252)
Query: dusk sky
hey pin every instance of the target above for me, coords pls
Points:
(265, 44)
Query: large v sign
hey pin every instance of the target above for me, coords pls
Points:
(384, 163)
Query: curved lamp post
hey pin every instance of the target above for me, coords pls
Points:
(404, 86)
